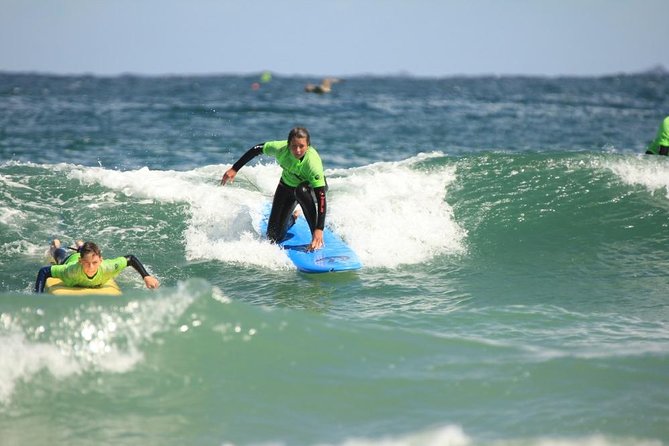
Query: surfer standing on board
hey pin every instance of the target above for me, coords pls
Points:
(302, 181)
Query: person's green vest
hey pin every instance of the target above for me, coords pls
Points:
(295, 172)
(72, 274)
(662, 138)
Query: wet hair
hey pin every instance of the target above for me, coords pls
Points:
(299, 132)
(88, 248)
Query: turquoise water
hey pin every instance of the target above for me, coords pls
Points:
(515, 243)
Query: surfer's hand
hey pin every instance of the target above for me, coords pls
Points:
(316, 240)
(229, 175)
(151, 282)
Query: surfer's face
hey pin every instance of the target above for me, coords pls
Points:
(90, 263)
(298, 147)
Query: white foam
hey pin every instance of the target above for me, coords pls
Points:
(592, 440)
(651, 172)
(4, 179)
(443, 436)
(90, 338)
(393, 213)
(9, 216)
(21, 359)
(221, 222)
(20, 247)
(390, 213)
(224, 224)
(453, 435)
(165, 186)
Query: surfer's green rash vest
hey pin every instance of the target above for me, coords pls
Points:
(295, 172)
(72, 273)
(662, 138)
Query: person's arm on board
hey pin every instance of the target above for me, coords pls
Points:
(230, 174)
(150, 281)
(317, 236)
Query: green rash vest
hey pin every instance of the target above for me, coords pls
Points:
(309, 168)
(662, 138)
(72, 274)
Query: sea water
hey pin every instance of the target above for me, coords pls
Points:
(515, 242)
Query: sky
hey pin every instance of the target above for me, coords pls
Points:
(334, 38)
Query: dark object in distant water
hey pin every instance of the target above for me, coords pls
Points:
(324, 87)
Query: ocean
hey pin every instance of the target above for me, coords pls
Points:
(515, 242)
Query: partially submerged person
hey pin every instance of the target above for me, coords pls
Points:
(302, 181)
(86, 268)
(324, 87)
(660, 145)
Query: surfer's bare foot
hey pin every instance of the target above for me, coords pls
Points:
(296, 214)
(55, 244)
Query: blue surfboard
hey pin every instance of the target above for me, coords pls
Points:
(334, 256)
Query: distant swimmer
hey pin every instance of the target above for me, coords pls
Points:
(86, 268)
(324, 87)
(660, 145)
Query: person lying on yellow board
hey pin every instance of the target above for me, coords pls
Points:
(86, 267)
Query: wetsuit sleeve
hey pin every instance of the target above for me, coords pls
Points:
(248, 156)
(43, 274)
(321, 207)
(135, 263)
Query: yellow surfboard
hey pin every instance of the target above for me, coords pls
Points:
(56, 286)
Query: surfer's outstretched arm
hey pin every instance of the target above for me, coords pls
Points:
(317, 233)
(313, 204)
(317, 230)
(149, 280)
(230, 174)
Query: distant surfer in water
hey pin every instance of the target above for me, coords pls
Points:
(324, 87)
(86, 268)
(302, 181)
(660, 145)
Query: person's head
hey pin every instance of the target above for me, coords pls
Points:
(299, 141)
(90, 258)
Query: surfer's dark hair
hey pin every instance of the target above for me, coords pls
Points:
(299, 132)
(89, 247)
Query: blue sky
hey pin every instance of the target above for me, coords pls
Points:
(337, 37)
